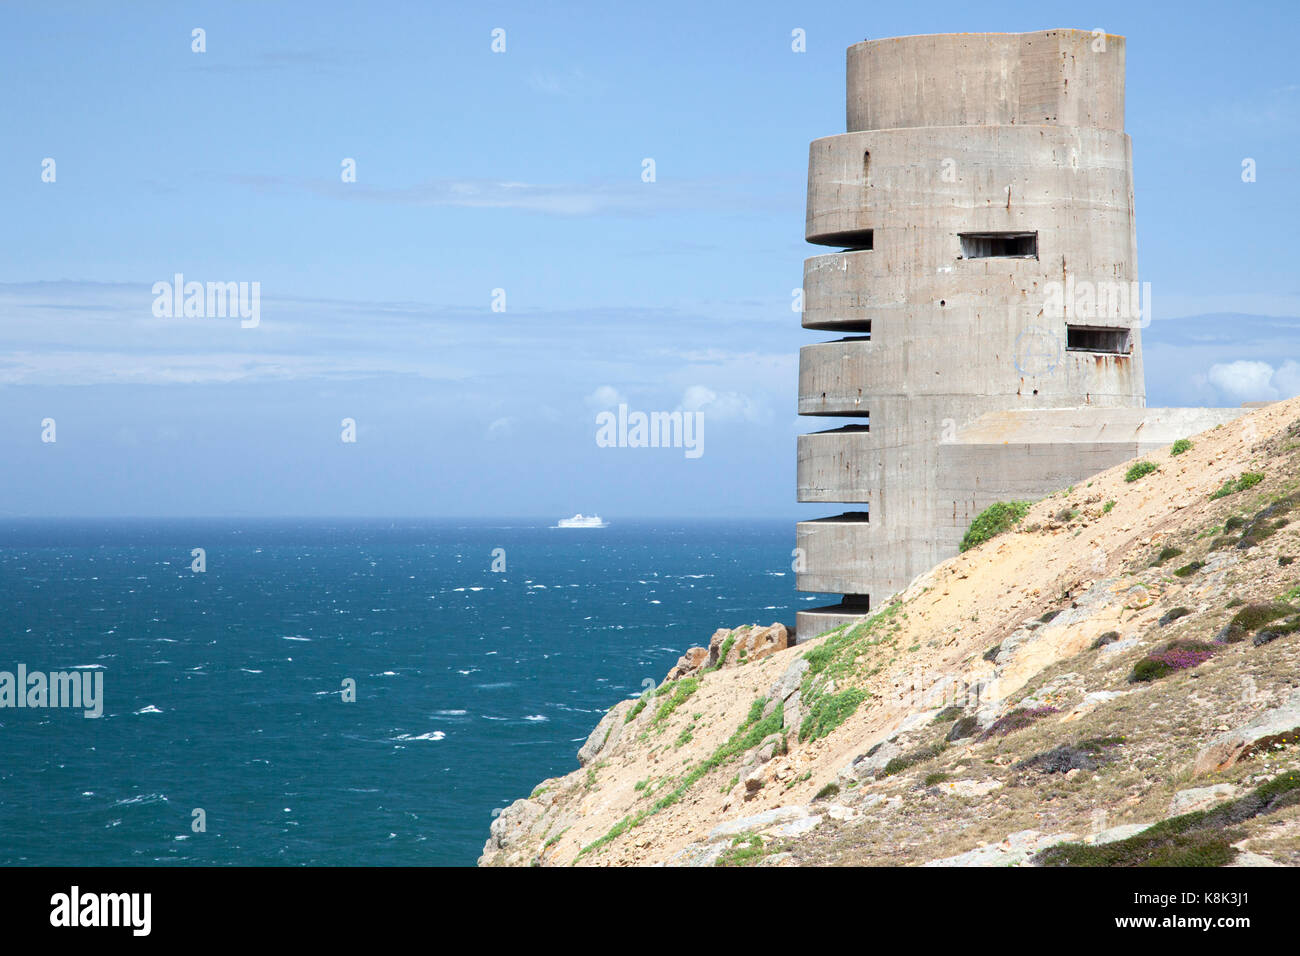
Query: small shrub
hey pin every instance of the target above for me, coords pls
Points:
(1175, 656)
(1273, 632)
(1018, 719)
(1187, 570)
(1235, 523)
(994, 520)
(1180, 446)
(1174, 614)
(912, 758)
(1105, 509)
(966, 727)
(947, 714)
(1248, 480)
(830, 790)
(1251, 618)
(1110, 637)
(1201, 838)
(1048, 617)
(992, 653)
(636, 709)
(934, 779)
(1140, 470)
(1165, 555)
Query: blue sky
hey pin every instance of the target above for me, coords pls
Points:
(522, 171)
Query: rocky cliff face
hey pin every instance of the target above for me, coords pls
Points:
(1129, 653)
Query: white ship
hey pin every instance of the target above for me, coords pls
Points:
(581, 521)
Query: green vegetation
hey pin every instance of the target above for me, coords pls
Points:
(993, 521)
(636, 709)
(681, 693)
(1252, 617)
(947, 715)
(830, 790)
(834, 663)
(1174, 656)
(752, 730)
(1180, 446)
(1165, 555)
(1018, 719)
(1110, 637)
(935, 778)
(965, 727)
(1203, 838)
(745, 850)
(1187, 570)
(1249, 480)
(1140, 470)
(1105, 509)
(723, 651)
(912, 758)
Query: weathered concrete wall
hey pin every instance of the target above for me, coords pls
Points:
(953, 134)
(1056, 77)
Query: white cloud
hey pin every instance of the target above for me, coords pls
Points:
(1247, 381)
(724, 407)
(607, 396)
(501, 428)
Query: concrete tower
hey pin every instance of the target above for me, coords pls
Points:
(984, 288)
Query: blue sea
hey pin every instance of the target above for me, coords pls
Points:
(224, 690)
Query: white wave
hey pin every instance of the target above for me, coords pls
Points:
(535, 717)
(150, 709)
(141, 798)
(432, 735)
(294, 637)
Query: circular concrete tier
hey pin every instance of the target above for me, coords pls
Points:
(838, 465)
(1061, 77)
(965, 363)
(916, 190)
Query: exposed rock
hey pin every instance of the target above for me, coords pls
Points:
(760, 821)
(797, 828)
(755, 643)
(1015, 850)
(970, 788)
(715, 644)
(511, 828)
(869, 765)
(606, 734)
(1268, 728)
(1115, 834)
(790, 681)
(699, 854)
(1187, 801)
(693, 660)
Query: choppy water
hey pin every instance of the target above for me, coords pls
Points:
(223, 689)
